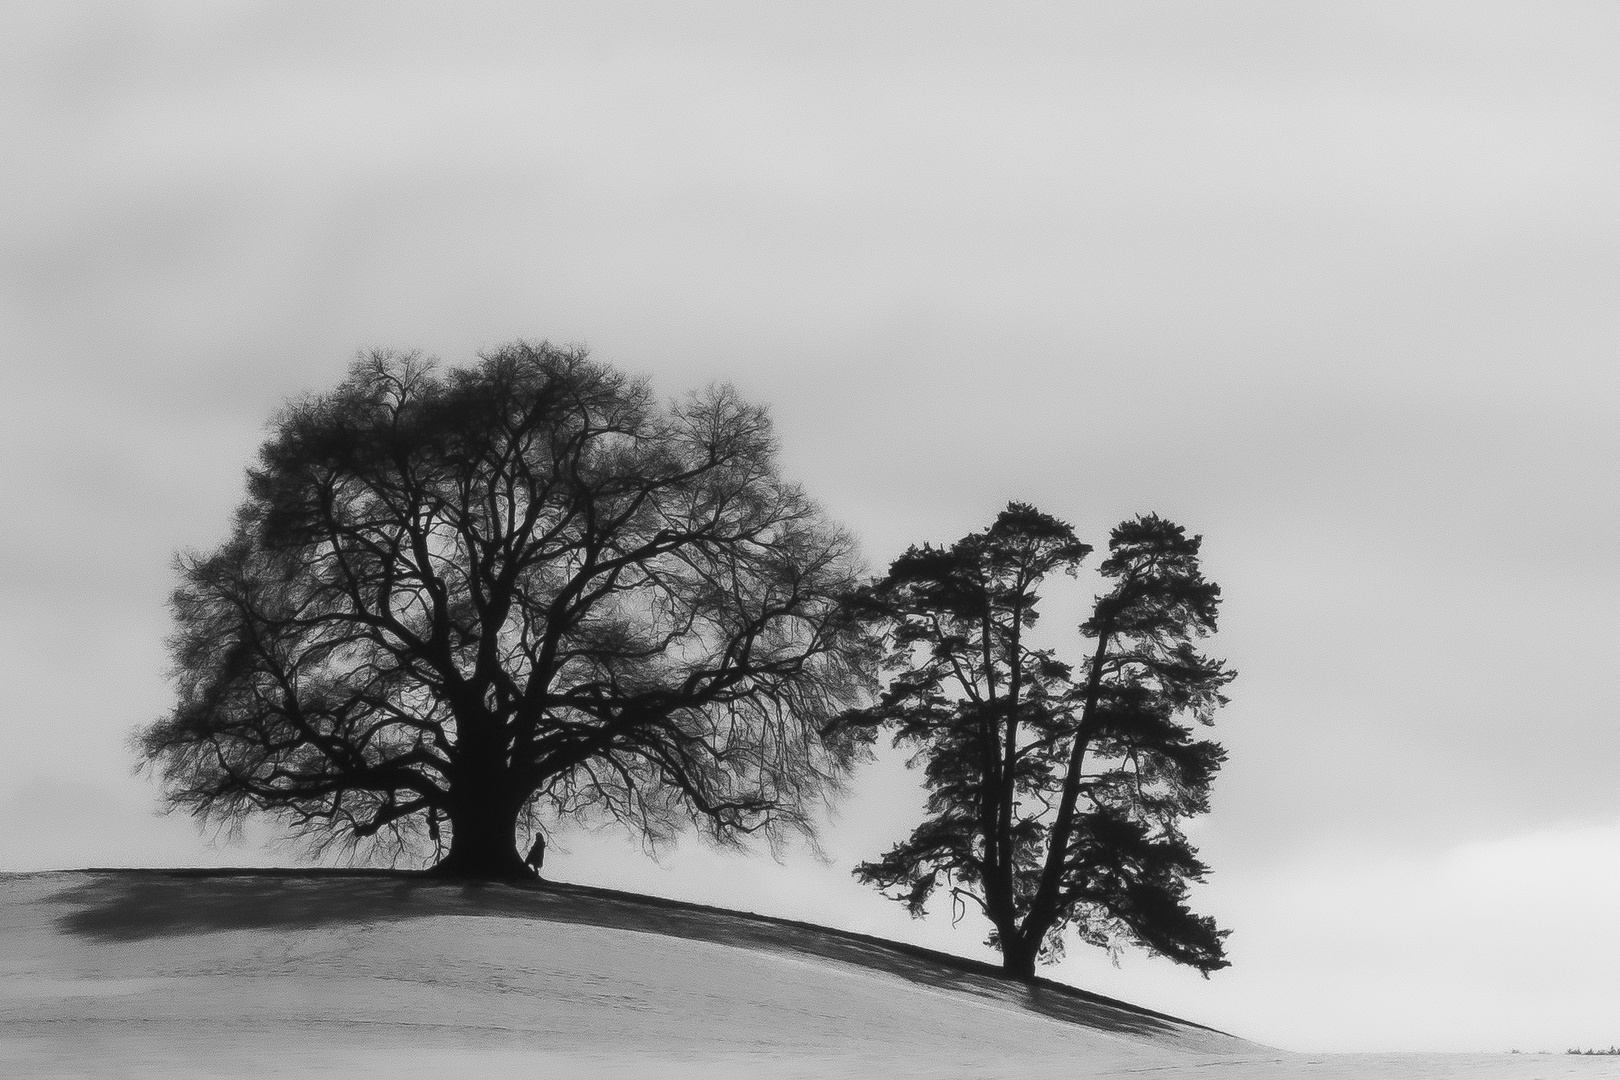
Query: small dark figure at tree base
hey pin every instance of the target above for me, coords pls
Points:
(537, 854)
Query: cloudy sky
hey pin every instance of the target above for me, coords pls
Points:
(1331, 284)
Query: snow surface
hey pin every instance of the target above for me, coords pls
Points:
(173, 974)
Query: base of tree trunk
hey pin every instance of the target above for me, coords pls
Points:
(458, 866)
(1018, 967)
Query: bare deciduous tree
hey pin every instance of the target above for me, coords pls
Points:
(455, 600)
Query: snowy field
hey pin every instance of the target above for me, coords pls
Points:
(154, 974)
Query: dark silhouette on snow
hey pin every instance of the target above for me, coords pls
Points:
(537, 854)
(1055, 794)
(462, 600)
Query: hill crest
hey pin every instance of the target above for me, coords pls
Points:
(339, 972)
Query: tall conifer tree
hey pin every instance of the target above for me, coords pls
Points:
(1056, 794)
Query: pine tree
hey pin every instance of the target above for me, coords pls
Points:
(1056, 796)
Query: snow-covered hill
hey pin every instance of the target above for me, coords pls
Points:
(178, 974)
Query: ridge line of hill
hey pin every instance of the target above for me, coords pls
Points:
(964, 965)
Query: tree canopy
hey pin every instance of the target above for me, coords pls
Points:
(456, 601)
(1055, 794)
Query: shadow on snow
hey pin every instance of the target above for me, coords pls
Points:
(137, 905)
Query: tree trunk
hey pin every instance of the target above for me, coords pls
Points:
(1018, 955)
(1021, 968)
(483, 836)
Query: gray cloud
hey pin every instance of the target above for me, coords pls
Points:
(1332, 285)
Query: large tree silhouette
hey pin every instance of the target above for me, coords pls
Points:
(1055, 797)
(457, 600)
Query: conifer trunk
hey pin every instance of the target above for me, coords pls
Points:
(1019, 953)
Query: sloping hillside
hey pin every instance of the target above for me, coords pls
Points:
(149, 973)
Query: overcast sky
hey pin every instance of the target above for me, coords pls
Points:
(1332, 284)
